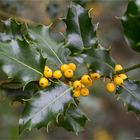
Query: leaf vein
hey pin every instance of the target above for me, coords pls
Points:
(18, 61)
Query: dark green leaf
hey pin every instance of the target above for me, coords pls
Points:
(11, 85)
(45, 107)
(51, 50)
(81, 33)
(130, 94)
(39, 37)
(131, 25)
(15, 91)
(20, 61)
(98, 59)
(12, 29)
(15, 94)
(74, 120)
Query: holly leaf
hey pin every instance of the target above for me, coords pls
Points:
(10, 85)
(81, 33)
(131, 25)
(74, 120)
(15, 91)
(20, 61)
(129, 92)
(16, 94)
(12, 29)
(38, 36)
(98, 59)
(53, 51)
(45, 107)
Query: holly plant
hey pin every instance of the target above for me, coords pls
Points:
(50, 76)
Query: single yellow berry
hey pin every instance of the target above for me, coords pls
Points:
(86, 80)
(72, 66)
(64, 67)
(123, 76)
(77, 84)
(46, 68)
(110, 87)
(68, 73)
(95, 76)
(84, 91)
(57, 74)
(118, 80)
(48, 73)
(76, 93)
(118, 67)
(43, 82)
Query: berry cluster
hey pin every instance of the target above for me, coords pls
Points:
(80, 87)
(67, 70)
(117, 80)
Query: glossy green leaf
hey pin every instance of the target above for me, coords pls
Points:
(98, 59)
(45, 107)
(130, 94)
(131, 25)
(9, 84)
(74, 120)
(20, 61)
(81, 33)
(15, 91)
(13, 29)
(38, 36)
(53, 51)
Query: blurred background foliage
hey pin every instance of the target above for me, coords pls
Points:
(108, 117)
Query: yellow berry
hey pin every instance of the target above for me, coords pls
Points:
(86, 80)
(123, 76)
(77, 84)
(118, 67)
(110, 87)
(57, 74)
(95, 76)
(46, 68)
(84, 92)
(43, 82)
(64, 67)
(72, 66)
(76, 93)
(118, 80)
(48, 73)
(68, 73)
